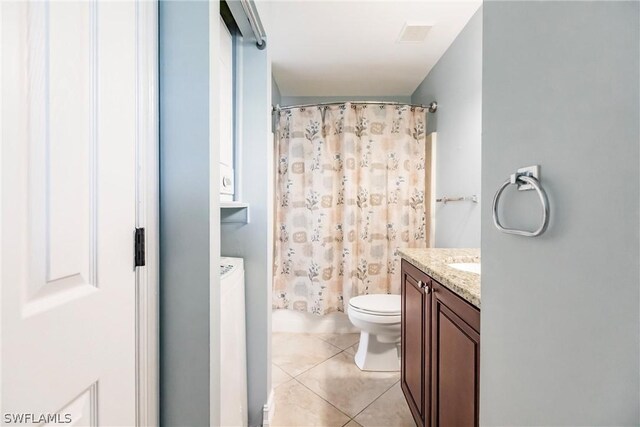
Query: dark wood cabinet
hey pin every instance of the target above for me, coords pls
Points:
(455, 359)
(415, 371)
(440, 352)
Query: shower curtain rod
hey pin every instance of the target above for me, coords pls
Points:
(432, 107)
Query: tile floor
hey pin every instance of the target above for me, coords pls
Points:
(318, 384)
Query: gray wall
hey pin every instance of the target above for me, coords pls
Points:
(184, 213)
(560, 312)
(297, 100)
(455, 82)
(276, 98)
(253, 241)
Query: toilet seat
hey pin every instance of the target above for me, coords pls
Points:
(374, 318)
(377, 304)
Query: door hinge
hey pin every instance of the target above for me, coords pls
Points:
(138, 248)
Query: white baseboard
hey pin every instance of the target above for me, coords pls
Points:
(299, 322)
(268, 410)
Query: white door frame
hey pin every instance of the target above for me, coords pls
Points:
(147, 192)
(1, 199)
(147, 209)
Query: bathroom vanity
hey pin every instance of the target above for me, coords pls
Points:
(440, 375)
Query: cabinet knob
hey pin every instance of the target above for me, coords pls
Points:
(423, 285)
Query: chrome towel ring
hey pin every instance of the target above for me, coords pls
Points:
(526, 179)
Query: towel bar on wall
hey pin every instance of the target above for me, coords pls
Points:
(446, 199)
(526, 179)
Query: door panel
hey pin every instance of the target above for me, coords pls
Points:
(61, 192)
(415, 360)
(456, 375)
(413, 342)
(68, 210)
(63, 111)
(455, 360)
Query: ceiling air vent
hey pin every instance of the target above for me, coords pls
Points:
(413, 33)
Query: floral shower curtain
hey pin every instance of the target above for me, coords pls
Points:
(349, 192)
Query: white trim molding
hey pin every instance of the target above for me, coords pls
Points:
(147, 208)
(214, 214)
(268, 410)
(2, 144)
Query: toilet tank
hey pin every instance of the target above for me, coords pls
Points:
(233, 353)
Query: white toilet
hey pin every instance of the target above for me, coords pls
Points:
(378, 318)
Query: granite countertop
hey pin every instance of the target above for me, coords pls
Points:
(433, 261)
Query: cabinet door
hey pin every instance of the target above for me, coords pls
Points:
(455, 358)
(415, 332)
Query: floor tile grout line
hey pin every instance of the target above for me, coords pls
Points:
(318, 338)
(285, 372)
(337, 409)
(374, 400)
(314, 335)
(319, 363)
(333, 345)
(280, 367)
(369, 404)
(351, 419)
(291, 377)
(322, 333)
(327, 359)
(340, 350)
(311, 335)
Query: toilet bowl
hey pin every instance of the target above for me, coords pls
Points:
(378, 318)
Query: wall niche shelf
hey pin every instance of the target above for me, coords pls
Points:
(234, 212)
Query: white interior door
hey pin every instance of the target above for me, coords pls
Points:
(68, 173)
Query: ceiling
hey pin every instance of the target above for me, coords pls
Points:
(350, 48)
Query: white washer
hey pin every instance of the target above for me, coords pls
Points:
(233, 347)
